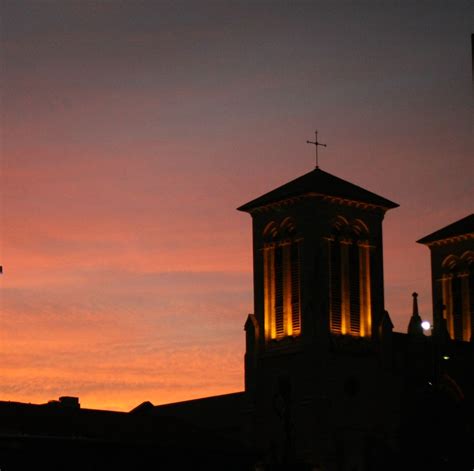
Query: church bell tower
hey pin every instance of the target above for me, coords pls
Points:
(318, 281)
(317, 260)
(452, 277)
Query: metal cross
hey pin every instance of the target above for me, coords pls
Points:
(316, 144)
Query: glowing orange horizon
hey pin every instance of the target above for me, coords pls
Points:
(127, 145)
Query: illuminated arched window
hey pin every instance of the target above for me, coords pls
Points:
(281, 258)
(457, 285)
(350, 300)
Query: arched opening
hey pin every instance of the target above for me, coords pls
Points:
(349, 272)
(457, 286)
(281, 258)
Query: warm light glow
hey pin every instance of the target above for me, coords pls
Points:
(447, 294)
(270, 290)
(365, 291)
(466, 312)
(267, 295)
(425, 325)
(287, 289)
(462, 301)
(345, 295)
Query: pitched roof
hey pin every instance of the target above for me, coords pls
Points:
(462, 227)
(319, 182)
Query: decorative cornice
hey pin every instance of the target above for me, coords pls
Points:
(276, 205)
(451, 240)
(331, 199)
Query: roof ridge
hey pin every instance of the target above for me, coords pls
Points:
(319, 182)
(457, 228)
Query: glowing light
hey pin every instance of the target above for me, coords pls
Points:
(425, 325)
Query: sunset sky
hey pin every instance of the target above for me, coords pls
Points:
(130, 132)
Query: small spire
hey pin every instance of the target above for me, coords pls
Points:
(414, 326)
(415, 304)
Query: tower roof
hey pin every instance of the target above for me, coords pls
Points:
(319, 183)
(463, 227)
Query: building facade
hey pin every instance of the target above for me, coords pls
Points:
(329, 384)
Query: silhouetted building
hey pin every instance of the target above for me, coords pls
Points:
(61, 436)
(328, 384)
(452, 271)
